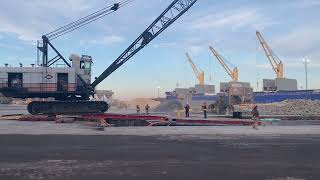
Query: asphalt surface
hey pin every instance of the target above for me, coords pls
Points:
(94, 157)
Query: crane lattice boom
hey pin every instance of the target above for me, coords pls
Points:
(199, 73)
(275, 62)
(233, 73)
(176, 9)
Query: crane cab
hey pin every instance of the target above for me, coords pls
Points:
(43, 82)
(82, 66)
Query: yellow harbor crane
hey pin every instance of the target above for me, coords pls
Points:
(275, 62)
(233, 73)
(199, 73)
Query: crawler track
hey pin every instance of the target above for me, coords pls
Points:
(67, 107)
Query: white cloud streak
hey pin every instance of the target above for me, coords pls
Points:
(234, 19)
(290, 65)
(29, 20)
(165, 45)
(109, 40)
(307, 3)
(299, 42)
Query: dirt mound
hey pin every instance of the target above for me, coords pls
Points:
(142, 102)
(169, 106)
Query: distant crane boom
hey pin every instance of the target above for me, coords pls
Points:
(275, 62)
(233, 73)
(199, 73)
(176, 9)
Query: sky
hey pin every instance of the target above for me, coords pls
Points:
(290, 27)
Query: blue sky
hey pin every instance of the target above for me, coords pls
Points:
(290, 27)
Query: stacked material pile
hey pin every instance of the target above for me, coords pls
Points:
(169, 106)
(287, 107)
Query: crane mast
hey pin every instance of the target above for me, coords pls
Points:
(199, 73)
(176, 9)
(275, 62)
(233, 73)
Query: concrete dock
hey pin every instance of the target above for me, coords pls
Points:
(281, 150)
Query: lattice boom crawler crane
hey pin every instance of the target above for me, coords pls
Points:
(71, 86)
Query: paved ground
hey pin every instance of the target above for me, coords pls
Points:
(140, 157)
(286, 150)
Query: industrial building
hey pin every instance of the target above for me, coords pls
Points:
(280, 84)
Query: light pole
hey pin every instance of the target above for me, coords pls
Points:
(158, 91)
(306, 62)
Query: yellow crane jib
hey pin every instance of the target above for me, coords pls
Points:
(233, 73)
(275, 62)
(199, 73)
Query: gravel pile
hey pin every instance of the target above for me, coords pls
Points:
(287, 107)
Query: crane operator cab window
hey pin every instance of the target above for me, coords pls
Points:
(15, 80)
(85, 65)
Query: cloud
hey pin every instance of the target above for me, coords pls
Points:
(234, 19)
(263, 66)
(298, 64)
(193, 45)
(199, 45)
(307, 3)
(23, 33)
(27, 19)
(113, 39)
(195, 49)
(301, 65)
(106, 40)
(165, 45)
(299, 43)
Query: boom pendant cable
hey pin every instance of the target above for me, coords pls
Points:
(86, 20)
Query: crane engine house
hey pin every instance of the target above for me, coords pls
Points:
(60, 83)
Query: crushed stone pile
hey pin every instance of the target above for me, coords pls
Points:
(168, 106)
(287, 107)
